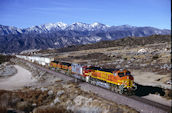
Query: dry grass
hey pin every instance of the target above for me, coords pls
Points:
(5, 58)
(59, 109)
(34, 96)
(24, 106)
(168, 94)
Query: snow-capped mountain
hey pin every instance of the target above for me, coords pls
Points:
(98, 26)
(4, 30)
(46, 28)
(78, 26)
(55, 35)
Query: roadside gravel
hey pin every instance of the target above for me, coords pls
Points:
(140, 106)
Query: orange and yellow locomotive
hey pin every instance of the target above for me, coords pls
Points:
(117, 80)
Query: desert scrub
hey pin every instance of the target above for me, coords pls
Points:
(168, 94)
(3, 109)
(5, 58)
(51, 109)
(155, 57)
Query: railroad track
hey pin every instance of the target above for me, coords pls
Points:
(140, 104)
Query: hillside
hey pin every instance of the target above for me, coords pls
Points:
(129, 41)
(148, 59)
(151, 53)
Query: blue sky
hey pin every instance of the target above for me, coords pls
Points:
(27, 13)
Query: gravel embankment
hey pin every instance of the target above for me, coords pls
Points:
(7, 70)
(142, 105)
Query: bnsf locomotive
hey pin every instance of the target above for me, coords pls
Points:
(117, 80)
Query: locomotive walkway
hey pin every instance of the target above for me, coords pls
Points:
(140, 104)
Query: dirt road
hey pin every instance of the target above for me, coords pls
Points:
(22, 78)
(151, 79)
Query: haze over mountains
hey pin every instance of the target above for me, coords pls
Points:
(15, 40)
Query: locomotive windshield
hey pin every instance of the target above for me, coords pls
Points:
(120, 74)
(128, 73)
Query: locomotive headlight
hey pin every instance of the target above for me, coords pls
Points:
(121, 69)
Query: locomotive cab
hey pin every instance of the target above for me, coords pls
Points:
(126, 80)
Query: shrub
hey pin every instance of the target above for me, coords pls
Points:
(49, 109)
(155, 57)
(4, 58)
(3, 109)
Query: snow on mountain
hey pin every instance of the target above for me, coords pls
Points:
(4, 30)
(94, 24)
(59, 25)
(62, 25)
(78, 26)
(47, 27)
(98, 26)
(37, 29)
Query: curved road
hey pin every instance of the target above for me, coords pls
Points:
(20, 79)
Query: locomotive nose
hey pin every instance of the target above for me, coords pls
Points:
(131, 77)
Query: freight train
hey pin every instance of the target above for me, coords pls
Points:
(116, 80)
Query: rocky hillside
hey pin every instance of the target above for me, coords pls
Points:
(15, 40)
(124, 42)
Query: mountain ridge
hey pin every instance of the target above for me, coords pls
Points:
(62, 26)
(57, 35)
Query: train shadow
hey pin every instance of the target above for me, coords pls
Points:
(146, 90)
